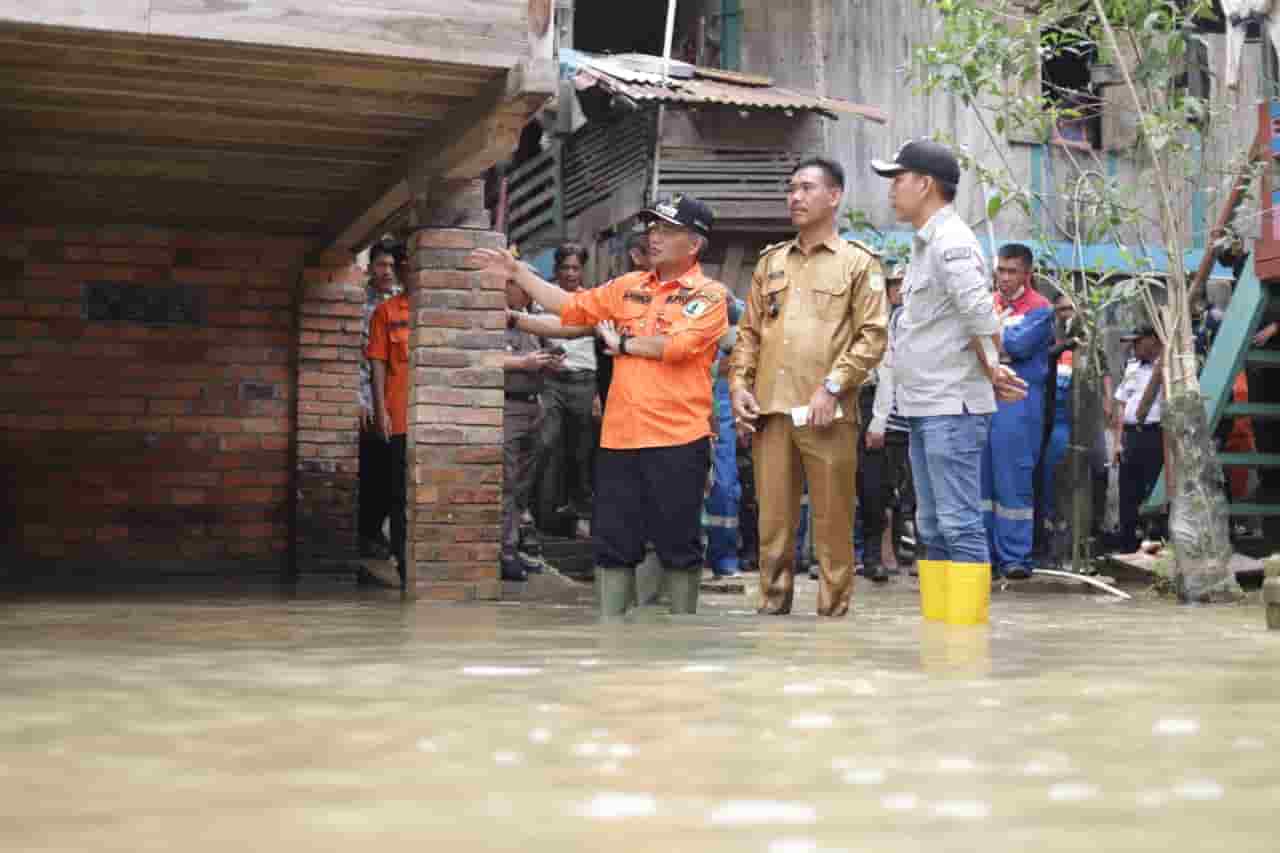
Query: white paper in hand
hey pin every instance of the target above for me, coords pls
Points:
(800, 415)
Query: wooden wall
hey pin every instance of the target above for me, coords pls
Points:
(858, 49)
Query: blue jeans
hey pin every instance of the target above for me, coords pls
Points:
(946, 463)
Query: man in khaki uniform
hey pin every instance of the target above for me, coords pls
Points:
(814, 329)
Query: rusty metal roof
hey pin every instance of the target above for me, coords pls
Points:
(633, 77)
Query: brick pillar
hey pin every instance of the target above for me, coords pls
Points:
(455, 417)
(327, 435)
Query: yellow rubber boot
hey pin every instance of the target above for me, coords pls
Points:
(968, 593)
(933, 589)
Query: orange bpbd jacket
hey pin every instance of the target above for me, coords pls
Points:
(655, 403)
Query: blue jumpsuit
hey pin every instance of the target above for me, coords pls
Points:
(1017, 430)
(1058, 440)
(720, 518)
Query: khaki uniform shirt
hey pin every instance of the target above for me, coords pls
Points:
(811, 316)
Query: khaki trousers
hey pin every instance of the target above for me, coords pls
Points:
(785, 457)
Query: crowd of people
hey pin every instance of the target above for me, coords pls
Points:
(847, 405)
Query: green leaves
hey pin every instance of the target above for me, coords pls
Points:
(994, 203)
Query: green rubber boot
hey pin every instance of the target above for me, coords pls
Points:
(683, 586)
(615, 591)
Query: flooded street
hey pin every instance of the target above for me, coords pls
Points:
(342, 720)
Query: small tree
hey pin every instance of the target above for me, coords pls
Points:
(988, 53)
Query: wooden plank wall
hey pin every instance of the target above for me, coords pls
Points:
(856, 50)
(602, 157)
(492, 33)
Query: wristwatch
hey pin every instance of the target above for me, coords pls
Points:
(512, 319)
(833, 387)
(622, 343)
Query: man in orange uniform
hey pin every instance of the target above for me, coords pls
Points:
(661, 326)
(388, 354)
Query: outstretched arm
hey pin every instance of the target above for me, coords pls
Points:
(545, 326)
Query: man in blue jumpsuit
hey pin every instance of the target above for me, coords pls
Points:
(720, 515)
(1017, 429)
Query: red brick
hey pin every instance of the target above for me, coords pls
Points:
(318, 353)
(451, 279)
(169, 407)
(115, 405)
(197, 275)
(448, 238)
(479, 455)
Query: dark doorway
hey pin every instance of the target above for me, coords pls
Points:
(619, 28)
(601, 27)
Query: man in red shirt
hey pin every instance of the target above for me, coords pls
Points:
(661, 326)
(388, 354)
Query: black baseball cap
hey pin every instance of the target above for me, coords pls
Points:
(683, 210)
(1142, 331)
(924, 156)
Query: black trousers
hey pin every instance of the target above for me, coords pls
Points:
(875, 484)
(748, 510)
(1140, 465)
(398, 494)
(653, 494)
(375, 484)
(897, 449)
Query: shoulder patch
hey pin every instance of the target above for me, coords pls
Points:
(772, 247)
(875, 281)
(959, 253)
(696, 307)
(864, 247)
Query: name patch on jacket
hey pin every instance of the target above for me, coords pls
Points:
(680, 297)
(774, 274)
(637, 296)
(957, 254)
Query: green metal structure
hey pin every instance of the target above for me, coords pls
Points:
(1233, 351)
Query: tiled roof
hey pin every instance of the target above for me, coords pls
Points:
(634, 76)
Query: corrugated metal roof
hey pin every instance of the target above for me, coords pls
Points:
(623, 78)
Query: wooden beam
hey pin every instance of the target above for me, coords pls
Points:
(145, 86)
(480, 134)
(138, 125)
(318, 158)
(222, 171)
(73, 49)
(491, 33)
(125, 15)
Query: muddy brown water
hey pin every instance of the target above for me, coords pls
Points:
(333, 719)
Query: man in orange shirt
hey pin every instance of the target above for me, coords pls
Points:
(388, 354)
(661, 326)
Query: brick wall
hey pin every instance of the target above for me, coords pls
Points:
(140, 447)
(330, 309)
(455, 419)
